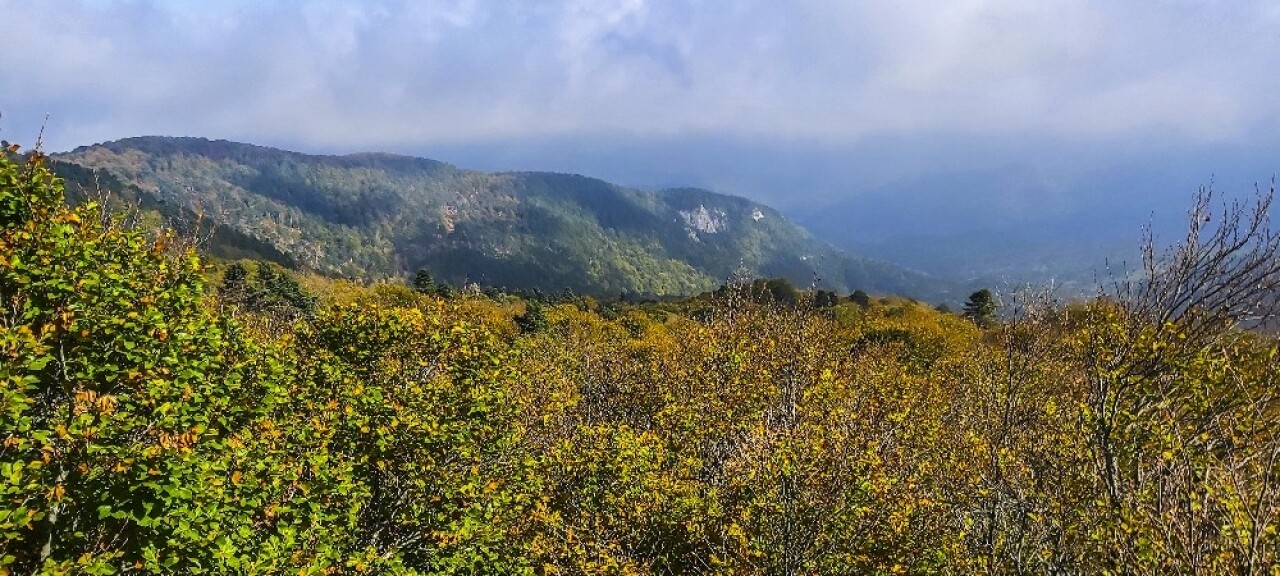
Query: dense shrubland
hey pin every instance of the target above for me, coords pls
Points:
(161, 415)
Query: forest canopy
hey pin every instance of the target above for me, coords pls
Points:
(160, 413)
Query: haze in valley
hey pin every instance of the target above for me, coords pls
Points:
(996, 140)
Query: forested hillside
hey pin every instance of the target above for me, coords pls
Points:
(379, 215)
(158, 415)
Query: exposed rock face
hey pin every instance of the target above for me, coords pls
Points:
(704, 220)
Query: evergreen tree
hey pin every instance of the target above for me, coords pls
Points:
(269, 289)
(774, 291)
(423, 282)
(533, 319)
(235, 285)
(981, 307)
(825, 299)
(282, 290)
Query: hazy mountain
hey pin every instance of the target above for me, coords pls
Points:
(1073, 253)
(379, 215)
(1016, 225)
(1000, 210)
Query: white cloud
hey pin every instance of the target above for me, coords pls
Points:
(395, 74)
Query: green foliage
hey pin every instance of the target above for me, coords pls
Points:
(148, 427)
(110, 420)
(981, 307)
(407, 442)
(424, 283)
(264, 287)
(823, 299)
(779, 291)
(774, 290)
(533, 319)
(378, 216)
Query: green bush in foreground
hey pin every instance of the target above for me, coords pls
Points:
(112, 424)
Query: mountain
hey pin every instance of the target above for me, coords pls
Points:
(1004, 257)
(380, 215)
(1073, 227)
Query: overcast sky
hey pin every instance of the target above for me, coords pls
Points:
(784, 101)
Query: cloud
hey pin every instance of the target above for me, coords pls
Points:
(394, 74)
(908, 106)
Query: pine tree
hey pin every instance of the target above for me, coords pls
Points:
(981, 307)
(423, 282)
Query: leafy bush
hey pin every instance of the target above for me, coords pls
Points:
(145, 428)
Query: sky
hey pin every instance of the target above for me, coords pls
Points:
(904, 116)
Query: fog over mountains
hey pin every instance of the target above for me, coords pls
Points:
(1063, 215)
(936, 136)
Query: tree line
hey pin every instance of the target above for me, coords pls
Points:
(158, 416)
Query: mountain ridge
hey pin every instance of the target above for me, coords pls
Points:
(375, 214)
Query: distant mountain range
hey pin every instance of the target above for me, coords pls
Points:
(380, 215)
(1005, 258)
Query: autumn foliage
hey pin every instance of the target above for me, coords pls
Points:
(153, 421)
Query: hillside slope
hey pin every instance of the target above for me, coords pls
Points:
(380, 215)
